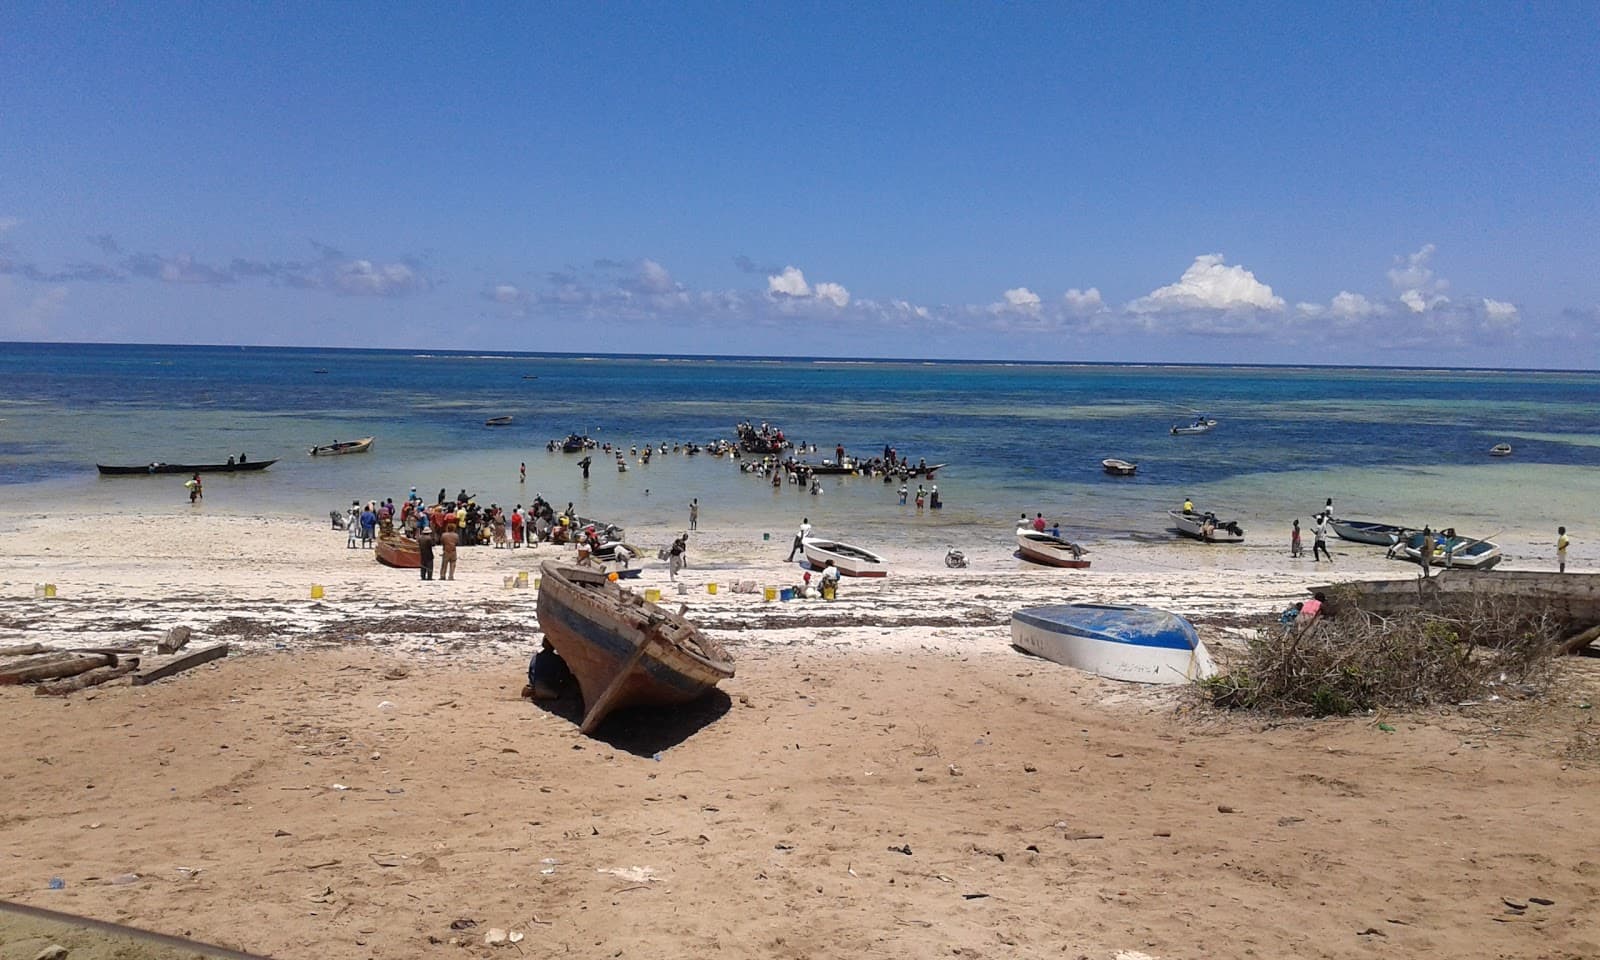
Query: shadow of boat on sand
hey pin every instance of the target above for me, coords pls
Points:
(645, 731)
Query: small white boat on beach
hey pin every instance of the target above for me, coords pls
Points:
(1206, 526)
(1500, 450)
(1367, 531)
(1141, 644)
(852, 561)
(1050, 550)
(1465, 552)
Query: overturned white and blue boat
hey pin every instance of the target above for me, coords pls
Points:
(1141, 644)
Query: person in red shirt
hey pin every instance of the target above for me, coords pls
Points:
(516, 527)
(1038, 523)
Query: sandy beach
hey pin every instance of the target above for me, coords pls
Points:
(885, 776)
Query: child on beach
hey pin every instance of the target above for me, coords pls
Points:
(1561, 549)
(1294, 539)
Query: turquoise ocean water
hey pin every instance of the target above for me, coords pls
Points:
(1407, 446)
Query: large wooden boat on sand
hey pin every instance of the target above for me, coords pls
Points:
(146, 468)
(398, 551)
(623, 649)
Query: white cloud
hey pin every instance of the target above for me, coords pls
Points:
(790, 283)
(1083, 302)
(654, 278)
(1352, 306)
(1210, 284)
(1499, 309)
(506, 293)
(832, 293)
(1021, 297)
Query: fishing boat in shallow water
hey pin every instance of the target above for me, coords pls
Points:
(851, 560)
(622, 649)
(1367, 531)
(399, 552)
(1119, 468)
(1142, 644)
(1052, 551)
(1500, 450)
(1195, 524)
(343, 447)
(1198, 425)
(1451, 552)
(146, 468)
(497, 422)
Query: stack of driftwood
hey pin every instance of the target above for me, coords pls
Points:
(58, 672)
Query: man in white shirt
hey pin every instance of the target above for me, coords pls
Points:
(799, 538)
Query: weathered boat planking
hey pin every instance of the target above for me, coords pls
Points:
(623, 649)
(1573, 597)
(401, 552)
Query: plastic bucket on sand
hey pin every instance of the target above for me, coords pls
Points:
(522, 578)
(44, 591)
(770, 594)
(786, 594)
(316, 591)
(652, 594)
(711, 588)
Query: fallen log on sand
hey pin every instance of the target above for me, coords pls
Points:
(1576, 642)
(87, 679)
(53, 666)
(26, 649)
(185, 662)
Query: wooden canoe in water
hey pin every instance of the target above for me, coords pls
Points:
(343, 446)
(623, 649)
(143, 468)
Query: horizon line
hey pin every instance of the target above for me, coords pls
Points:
(804, 358)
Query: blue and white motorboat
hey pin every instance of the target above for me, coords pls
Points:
(1141, 644)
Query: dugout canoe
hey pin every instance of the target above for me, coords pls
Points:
(622, 649)
(158, 467)
(343, 447)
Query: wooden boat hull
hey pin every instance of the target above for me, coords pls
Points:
(1050, 551)
(851, 560)
(1189, 524)
(1468, 554)
(1140, 644)
(149, 468)
(1119, 468)
(623, 650)
(1365, 531)
(399, 552)
(342, 448)
(1574, 597)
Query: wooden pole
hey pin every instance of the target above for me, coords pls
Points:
(68, 666)
(90, 678)
(1576, 642)
(602, 704)
(185, 662)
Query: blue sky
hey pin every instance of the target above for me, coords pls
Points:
(1166, 182)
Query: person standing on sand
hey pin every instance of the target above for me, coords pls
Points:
(1561, 549)
(1294, 539)
(694, 514)
(799, 538)
(449, 540)
(425, 554)
(516, 527)
(1425, 555)
(352, 525)
(675, 557)
(1319, 538)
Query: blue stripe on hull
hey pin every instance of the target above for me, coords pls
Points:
(1133, 626)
